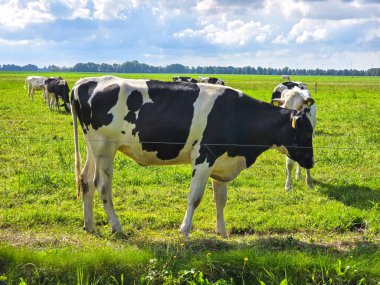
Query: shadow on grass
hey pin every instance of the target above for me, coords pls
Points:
(361, 197)
(271, 244)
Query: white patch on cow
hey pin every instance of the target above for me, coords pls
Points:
(228, 168)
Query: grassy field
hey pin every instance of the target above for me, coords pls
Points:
(329, 235)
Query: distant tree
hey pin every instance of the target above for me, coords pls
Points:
(30, 67)
(374, 72)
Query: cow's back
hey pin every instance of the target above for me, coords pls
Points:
(154, 122)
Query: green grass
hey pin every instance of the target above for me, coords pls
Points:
(329, 235)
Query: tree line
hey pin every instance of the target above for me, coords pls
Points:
(137, 67)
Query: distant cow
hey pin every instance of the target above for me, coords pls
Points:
(218, 130)
(34, 83)
(184, 79)
(285, 77)
(296, 96)
(211, 80)
(57, 87)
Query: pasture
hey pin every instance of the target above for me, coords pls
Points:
(329, 235)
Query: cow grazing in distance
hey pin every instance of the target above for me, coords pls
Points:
(218, 130)
(296, 96)
(35, 83)
(211, 80)
(285, 77)
(57, 87)
(184, 79)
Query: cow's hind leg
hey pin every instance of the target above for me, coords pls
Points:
(220, 199)
(88, 190)
(103, 154)
(289, 168)
(197, 187)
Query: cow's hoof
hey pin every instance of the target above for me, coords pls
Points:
(184, 232)
(120, 236)
(222, 234)
(91, 231)
(310, 185)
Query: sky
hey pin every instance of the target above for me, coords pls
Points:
(336, 34)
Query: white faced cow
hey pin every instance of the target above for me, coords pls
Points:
(35, 83)
(211, 80)
(218, 130)
(296, 96)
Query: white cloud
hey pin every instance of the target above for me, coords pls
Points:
(193, 32)
(205, 5)
(371, 35)
(232, 32)
(15, 15)
(113, 9)
(287, 8)
(6, 42)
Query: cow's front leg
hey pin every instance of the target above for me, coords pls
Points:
(289, 168)
(197, 187)
(220, 199)
(309, 180)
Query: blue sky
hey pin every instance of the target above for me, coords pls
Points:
(324, 34)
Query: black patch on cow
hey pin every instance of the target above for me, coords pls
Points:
(236, 126)
(212, 80)
(290, 84)
(123, 132)
(192, 175)
(82, 107)
(102, 103)
(134, 103)
(276, 95)
(195, 142)
(163, 125)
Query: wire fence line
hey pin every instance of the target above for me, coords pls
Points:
(59, 139)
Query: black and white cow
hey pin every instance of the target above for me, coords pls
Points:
(218, 130)
(35, 83)
(184, 79)
(57, 87)
(296, 96)
(211, 80)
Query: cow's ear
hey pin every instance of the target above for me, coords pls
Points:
(277, 102)
(309, 102)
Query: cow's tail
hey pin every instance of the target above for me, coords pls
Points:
(78, 169)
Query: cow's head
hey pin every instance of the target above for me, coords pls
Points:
(292, 99)
(300, 139)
